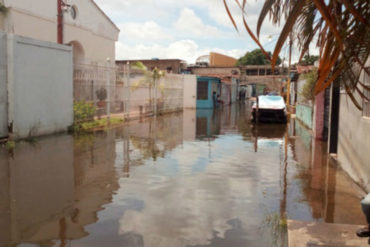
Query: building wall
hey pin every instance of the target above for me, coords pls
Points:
(37, 19)
(304, 114)
(40, 86)
(190, 91)
(226, 93)
(213, 86)
(353, 140)
(318, 116)
(219, 60)
(214, 70)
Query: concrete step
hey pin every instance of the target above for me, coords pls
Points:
(318, 234)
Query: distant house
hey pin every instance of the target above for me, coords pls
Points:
(354, 133)
(206, 88)
(171, 66)
(85, 26)
(215, 60)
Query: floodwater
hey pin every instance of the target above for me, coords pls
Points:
(196, 178)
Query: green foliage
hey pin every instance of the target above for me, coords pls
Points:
(84, 127)
(276, 224)
(100, 123)
(3, 9)
(150, 78)
(309, 60)
(255, 57)
(308, 90)
(10, 146)
(83, 111)
(101, 94)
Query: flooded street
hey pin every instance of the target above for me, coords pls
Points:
(195, 179)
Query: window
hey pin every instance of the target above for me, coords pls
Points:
(202, 90)
(252, 72)
(366, 102)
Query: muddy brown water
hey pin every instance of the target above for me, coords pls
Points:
(195, 178)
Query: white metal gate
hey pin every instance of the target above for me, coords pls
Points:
(3, 88)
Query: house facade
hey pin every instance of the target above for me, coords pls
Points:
(206, 87)
(354, 133)
(85, 26)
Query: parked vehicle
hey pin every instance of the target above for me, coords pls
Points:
(270, 108)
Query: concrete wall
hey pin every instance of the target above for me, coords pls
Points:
(226, 93)
(353, 139)
(3, 88)
(215, 70)
(40, 87)
(304, 114)
(190, 91)
(318, 116)
(38, 20)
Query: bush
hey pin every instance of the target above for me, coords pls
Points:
(10, 146)
(83, 111)
(309, 87)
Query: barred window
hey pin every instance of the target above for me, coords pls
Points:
(366, 102)
(202, 90)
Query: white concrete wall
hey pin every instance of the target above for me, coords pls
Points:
(190, 91)
(354, 139)
(91, 28)
(3, 88)
(40, 87)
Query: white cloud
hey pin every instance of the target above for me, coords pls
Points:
(159, 28)
(190, 23)
(148, 31)
(188, 50)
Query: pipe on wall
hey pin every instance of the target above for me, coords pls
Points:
(60, 22)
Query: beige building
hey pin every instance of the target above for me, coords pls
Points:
(86, 27)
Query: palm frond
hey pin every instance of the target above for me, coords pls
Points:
(342, 30)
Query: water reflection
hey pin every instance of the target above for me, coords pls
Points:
(205, 178)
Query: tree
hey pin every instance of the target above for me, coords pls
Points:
(342, 30)
(255, 57)
(309, 60)
(150, 80)
(3, 9)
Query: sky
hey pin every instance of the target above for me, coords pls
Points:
(184, 29)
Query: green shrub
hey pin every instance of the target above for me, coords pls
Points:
(3, 9)
(308, 90)
(83, 111)
(10, 146)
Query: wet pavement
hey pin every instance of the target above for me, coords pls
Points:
(195, 178)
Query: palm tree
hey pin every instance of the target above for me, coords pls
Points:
(150, 80)
(342, 30)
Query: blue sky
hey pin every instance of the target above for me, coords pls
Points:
(183, 29)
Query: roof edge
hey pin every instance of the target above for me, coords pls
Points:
(105, 15)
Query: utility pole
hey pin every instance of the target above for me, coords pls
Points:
(60, 22)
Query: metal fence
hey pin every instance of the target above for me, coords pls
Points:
(125, 92)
